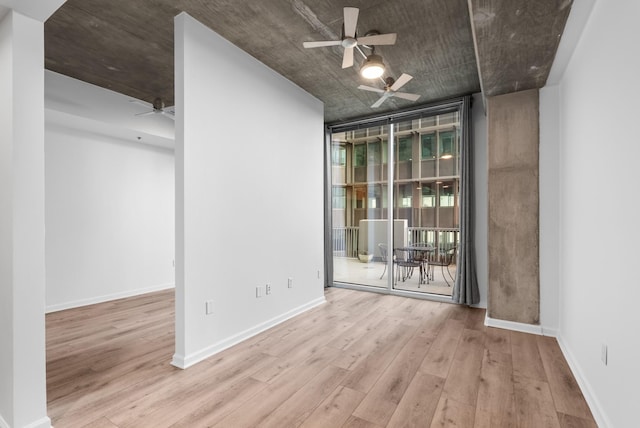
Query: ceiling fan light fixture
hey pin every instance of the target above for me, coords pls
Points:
(373, 67)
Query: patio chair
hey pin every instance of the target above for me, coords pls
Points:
(384, 255)
(444, 261)
(405, 264)
(421, 255)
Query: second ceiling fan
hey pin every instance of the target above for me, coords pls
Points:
(350, 41)
(157, 107)
(391, 89)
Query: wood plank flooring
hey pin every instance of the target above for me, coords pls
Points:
(360, 360)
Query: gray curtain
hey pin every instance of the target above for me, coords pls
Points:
(328, 234)
(465, 289)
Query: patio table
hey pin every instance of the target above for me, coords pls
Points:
(422, 259)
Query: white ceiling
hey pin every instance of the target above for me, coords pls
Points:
(75, 104)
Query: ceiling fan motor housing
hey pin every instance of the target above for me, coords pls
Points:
(349, 42)
(158, 104)
(389, 81)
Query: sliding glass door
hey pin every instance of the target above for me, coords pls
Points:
(359, 205)
(400, 233)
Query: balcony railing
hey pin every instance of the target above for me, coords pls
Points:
(345, 239)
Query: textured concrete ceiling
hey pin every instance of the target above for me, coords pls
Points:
(450, 47)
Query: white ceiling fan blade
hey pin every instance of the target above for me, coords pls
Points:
(322, 43)
(146, 113)
(168, 114)
(406, 96)
(402, 80)
(378, 39)
(169, 110)
(350, 21)
(371, 88)
(347, 59)
(381, 100)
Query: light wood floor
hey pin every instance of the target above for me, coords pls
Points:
(360, 360)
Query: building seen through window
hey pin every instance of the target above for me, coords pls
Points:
(426, 173)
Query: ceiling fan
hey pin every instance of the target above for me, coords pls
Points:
(157, 107)
(350, 41)
(391, 89)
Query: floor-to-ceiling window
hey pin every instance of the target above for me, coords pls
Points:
(377, 222)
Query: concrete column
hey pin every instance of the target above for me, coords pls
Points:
(513, 140)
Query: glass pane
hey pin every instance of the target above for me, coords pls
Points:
(374, 152)
(448, 153)
(427, 204)
(339, 203)
(446, 144)
(428, 147)
(385, 151)
(426, 122)
(338, 162)
(447, 118)
(448, 204)
(404, 126)
(339, 198)
(338, 155)
(405, 150)
(360, 155)
(404, 157)
(359, 237)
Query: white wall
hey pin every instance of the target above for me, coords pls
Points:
(6, 222)
(549, 221)
(109, 217)
(22, 262)
(480, 177)
(249, 194)
(599, 214)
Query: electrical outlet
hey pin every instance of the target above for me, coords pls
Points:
(603, 354)
(258, 291)
(208, 307)
(290, 282)
(267, 288)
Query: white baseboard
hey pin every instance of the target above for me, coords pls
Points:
(184, 362)
(107, 298)
(540, 330)
(587, 391)
(512, 325)
(40, 423)
(551, 332)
